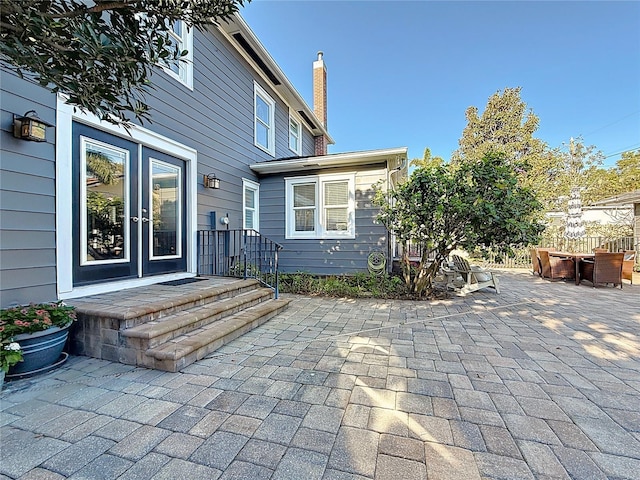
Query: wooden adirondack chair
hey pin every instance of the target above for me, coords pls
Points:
(474, 277)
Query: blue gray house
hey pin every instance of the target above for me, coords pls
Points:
(96, 208)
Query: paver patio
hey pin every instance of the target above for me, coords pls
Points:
(541, 381)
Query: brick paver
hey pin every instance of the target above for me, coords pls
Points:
(541, 381)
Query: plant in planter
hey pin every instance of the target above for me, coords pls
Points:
(41, 330)
(10, 354)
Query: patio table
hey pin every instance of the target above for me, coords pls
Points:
(576, 257)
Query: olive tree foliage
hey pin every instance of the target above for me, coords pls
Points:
(100, 54)
(445, 206)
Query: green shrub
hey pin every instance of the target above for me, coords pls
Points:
(359, 285)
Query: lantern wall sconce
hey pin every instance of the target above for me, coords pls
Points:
(211, 181)
(30, 127)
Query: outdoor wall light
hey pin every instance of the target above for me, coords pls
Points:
(211, 181)
(30, 127)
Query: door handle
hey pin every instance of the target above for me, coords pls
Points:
(144, 219)
(134, 219)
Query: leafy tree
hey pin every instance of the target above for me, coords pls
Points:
(427, 160)
(444, 207)
(580, 166)
(101, 54)
(506, 126)
(628, 171)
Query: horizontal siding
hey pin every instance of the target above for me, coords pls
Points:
(216, 119)
(27, 198)
(10, 297)
(324, 257)
(30, 221)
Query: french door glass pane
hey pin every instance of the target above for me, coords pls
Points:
(105, 186)
(165, 209)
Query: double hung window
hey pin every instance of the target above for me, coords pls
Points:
(321, 206)
(181, 38)
(295, 135)
(264, 120)
(250, 202)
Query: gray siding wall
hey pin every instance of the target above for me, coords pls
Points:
(325, 257)
(216, 119)
(27, 198)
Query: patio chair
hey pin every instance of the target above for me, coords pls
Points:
(473, 277)
(535, 261)
(535, 258)
(627, 264)
(601, 250)
(555, 268)
(603, 268)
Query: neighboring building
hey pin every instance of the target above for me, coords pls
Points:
(96, 208)
(629, 200)
(603, 214)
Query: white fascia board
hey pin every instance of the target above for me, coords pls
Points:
(333, 160)
(285, 90)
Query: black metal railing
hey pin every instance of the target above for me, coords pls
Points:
(241, 253)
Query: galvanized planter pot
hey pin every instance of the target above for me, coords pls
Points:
(41, 351)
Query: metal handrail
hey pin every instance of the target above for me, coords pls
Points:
(241, 253)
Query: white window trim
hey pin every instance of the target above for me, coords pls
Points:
(295, 119)
(258, 91)
(320, 230)
(186, 63)
(251, 185)
(179, 222)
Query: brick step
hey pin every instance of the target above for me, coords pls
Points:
(190, 319)
(150, 309)
(188, 348)
(157, 332)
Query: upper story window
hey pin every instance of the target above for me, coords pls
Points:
(182, 38)
(264, 121)
(320, 206)
(295, 136)
(250, 202)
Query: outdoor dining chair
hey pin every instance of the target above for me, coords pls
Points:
(603, 268)
(627, 264)
(535, 258)
(556, 267)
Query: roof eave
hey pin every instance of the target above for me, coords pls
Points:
(622, 199)
(334, 160)
(236, 24)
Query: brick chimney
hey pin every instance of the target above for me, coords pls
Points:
(320, 101)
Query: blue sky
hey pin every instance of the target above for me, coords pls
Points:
(402, 73)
